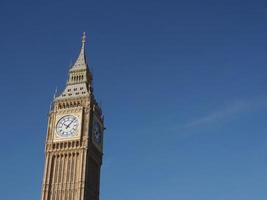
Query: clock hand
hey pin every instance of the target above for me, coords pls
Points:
(70, 123)
(64, 124)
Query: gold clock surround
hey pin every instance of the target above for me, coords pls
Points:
(76, 113)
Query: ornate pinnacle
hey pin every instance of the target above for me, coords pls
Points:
(84, 38)
(55, 94)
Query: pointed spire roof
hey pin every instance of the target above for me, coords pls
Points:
(81, 60)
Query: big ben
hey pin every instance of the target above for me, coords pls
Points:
(74, 142)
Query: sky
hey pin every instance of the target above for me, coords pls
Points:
(182, 84)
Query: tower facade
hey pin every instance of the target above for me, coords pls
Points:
(74, 142)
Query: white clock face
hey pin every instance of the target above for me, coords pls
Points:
(67, 126)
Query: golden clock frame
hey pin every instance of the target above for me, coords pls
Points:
(76, 112)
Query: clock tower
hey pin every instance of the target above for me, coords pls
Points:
(74, 142)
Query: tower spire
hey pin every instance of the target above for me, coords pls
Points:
(81, 60)
(83, 39)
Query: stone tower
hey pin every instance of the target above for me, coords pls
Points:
(74, 143)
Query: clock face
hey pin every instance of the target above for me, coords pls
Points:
(67, 126)
(97, 132)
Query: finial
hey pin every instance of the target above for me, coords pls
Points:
(55, 94)
(83, 38)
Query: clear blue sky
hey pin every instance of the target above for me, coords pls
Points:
(183, 86)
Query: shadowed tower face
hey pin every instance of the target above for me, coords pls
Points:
(74, 143)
